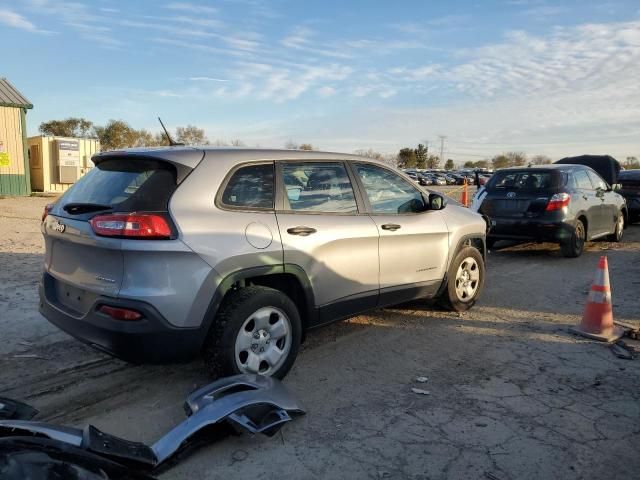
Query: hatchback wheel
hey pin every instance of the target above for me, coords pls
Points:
(574, 245)
(465, 280)
(256, 330)
(616, 236)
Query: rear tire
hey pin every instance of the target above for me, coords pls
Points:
(245, 336)
(618, 231)
(574, 246)
(465, 280)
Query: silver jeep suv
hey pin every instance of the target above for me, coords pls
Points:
(158, 255)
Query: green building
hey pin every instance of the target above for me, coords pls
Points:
(14, 158)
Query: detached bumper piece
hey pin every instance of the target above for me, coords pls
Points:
(249, 403)
(14, 410)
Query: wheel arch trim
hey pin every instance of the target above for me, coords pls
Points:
(227, 283)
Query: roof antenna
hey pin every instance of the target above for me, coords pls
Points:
(166, 132)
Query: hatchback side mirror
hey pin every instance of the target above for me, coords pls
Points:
(436, 202)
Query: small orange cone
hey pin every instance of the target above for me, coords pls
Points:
(465, 195)
(597, 321)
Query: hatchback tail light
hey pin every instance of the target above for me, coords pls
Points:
(558, 202)
(119, 313)
(147, 226)
(47, 210)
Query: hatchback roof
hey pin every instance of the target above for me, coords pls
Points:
(543, 167)
(191, 156)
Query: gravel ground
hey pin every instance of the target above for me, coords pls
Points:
(512, 394)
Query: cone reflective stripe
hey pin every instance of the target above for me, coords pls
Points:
(597, 321)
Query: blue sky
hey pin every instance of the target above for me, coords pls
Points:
(545, 77)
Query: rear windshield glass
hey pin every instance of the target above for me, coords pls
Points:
(525, 180)
(125, 185)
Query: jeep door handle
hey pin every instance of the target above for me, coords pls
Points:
(390, 226)
(302, 231)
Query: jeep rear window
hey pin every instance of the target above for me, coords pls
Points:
(525, 180)
(126, 185)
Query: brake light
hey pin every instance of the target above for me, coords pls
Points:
(118, 313)
(147, 226)
(558, 202)
(47, 210)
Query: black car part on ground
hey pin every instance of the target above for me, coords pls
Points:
(38, 458)
(15, 410)
(606, 166)
(249, 403)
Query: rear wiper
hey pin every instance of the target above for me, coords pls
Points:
(76, 208)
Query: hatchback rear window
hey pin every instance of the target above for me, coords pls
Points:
(125, 185)
(525, 180)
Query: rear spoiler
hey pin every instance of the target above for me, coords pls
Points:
(184, 159)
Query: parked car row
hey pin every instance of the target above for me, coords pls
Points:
(441, 178)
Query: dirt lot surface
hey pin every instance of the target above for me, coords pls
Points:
(513, 395)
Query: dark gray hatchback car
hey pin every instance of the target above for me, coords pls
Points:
(567, 204)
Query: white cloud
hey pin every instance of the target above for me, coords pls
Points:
(207, 79)
(83, 19)
(326, 91)
(191, 7)
(301, 38)
(13, 19)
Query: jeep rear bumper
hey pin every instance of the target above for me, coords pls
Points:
(148, 340)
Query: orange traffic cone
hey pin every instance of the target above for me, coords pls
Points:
(597, 321)
(465, 195)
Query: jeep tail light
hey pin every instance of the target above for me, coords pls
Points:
(47, 209)
(558, 202)
(147, 226)
(118, 313)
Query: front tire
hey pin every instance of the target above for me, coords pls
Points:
(465, 280)
(257, 330)
(574, 246)
(618, 231)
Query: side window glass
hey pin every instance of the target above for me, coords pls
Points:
(388, 192)
(596, 180)
(318, 187)
(250, 187)
(582, 180)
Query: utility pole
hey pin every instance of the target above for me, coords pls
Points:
(442, 139)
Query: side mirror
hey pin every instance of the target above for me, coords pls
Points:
(436, 202)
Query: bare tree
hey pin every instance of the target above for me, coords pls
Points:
(540, 160)
(369, 153)
(191, 135)
(237, 143)
(291, 145)
(306, 146)
(631, 163)
(433, 161)
(516, 159)
(70, 127)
